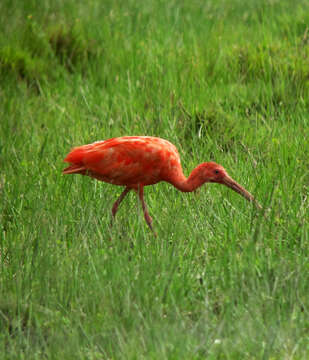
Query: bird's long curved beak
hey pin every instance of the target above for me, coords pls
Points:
(232, 184)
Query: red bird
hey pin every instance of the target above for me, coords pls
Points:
(138, 161)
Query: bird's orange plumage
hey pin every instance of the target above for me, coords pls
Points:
(138, 161)
(127, 161)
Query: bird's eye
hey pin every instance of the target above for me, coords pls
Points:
(217, 171)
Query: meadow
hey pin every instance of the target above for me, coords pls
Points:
(225, 81)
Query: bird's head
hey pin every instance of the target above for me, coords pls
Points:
(212, 172)
(215, 173)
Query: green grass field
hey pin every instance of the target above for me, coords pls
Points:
(225, 81)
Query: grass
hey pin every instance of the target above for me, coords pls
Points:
(224, 81)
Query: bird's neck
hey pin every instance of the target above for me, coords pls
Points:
(188, 184)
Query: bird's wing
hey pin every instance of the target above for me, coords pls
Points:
(126, 161)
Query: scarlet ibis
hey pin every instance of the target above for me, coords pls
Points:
(138, 161)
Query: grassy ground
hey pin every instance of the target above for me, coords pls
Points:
(223, 80)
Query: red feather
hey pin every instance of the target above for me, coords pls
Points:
(138, 161)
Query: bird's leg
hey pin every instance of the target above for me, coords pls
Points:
(146, 214)
(118, 201)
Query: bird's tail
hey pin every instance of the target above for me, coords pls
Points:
(75, 157)
(75, 169)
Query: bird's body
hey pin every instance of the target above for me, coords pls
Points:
(138, 161)
(131, 161)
